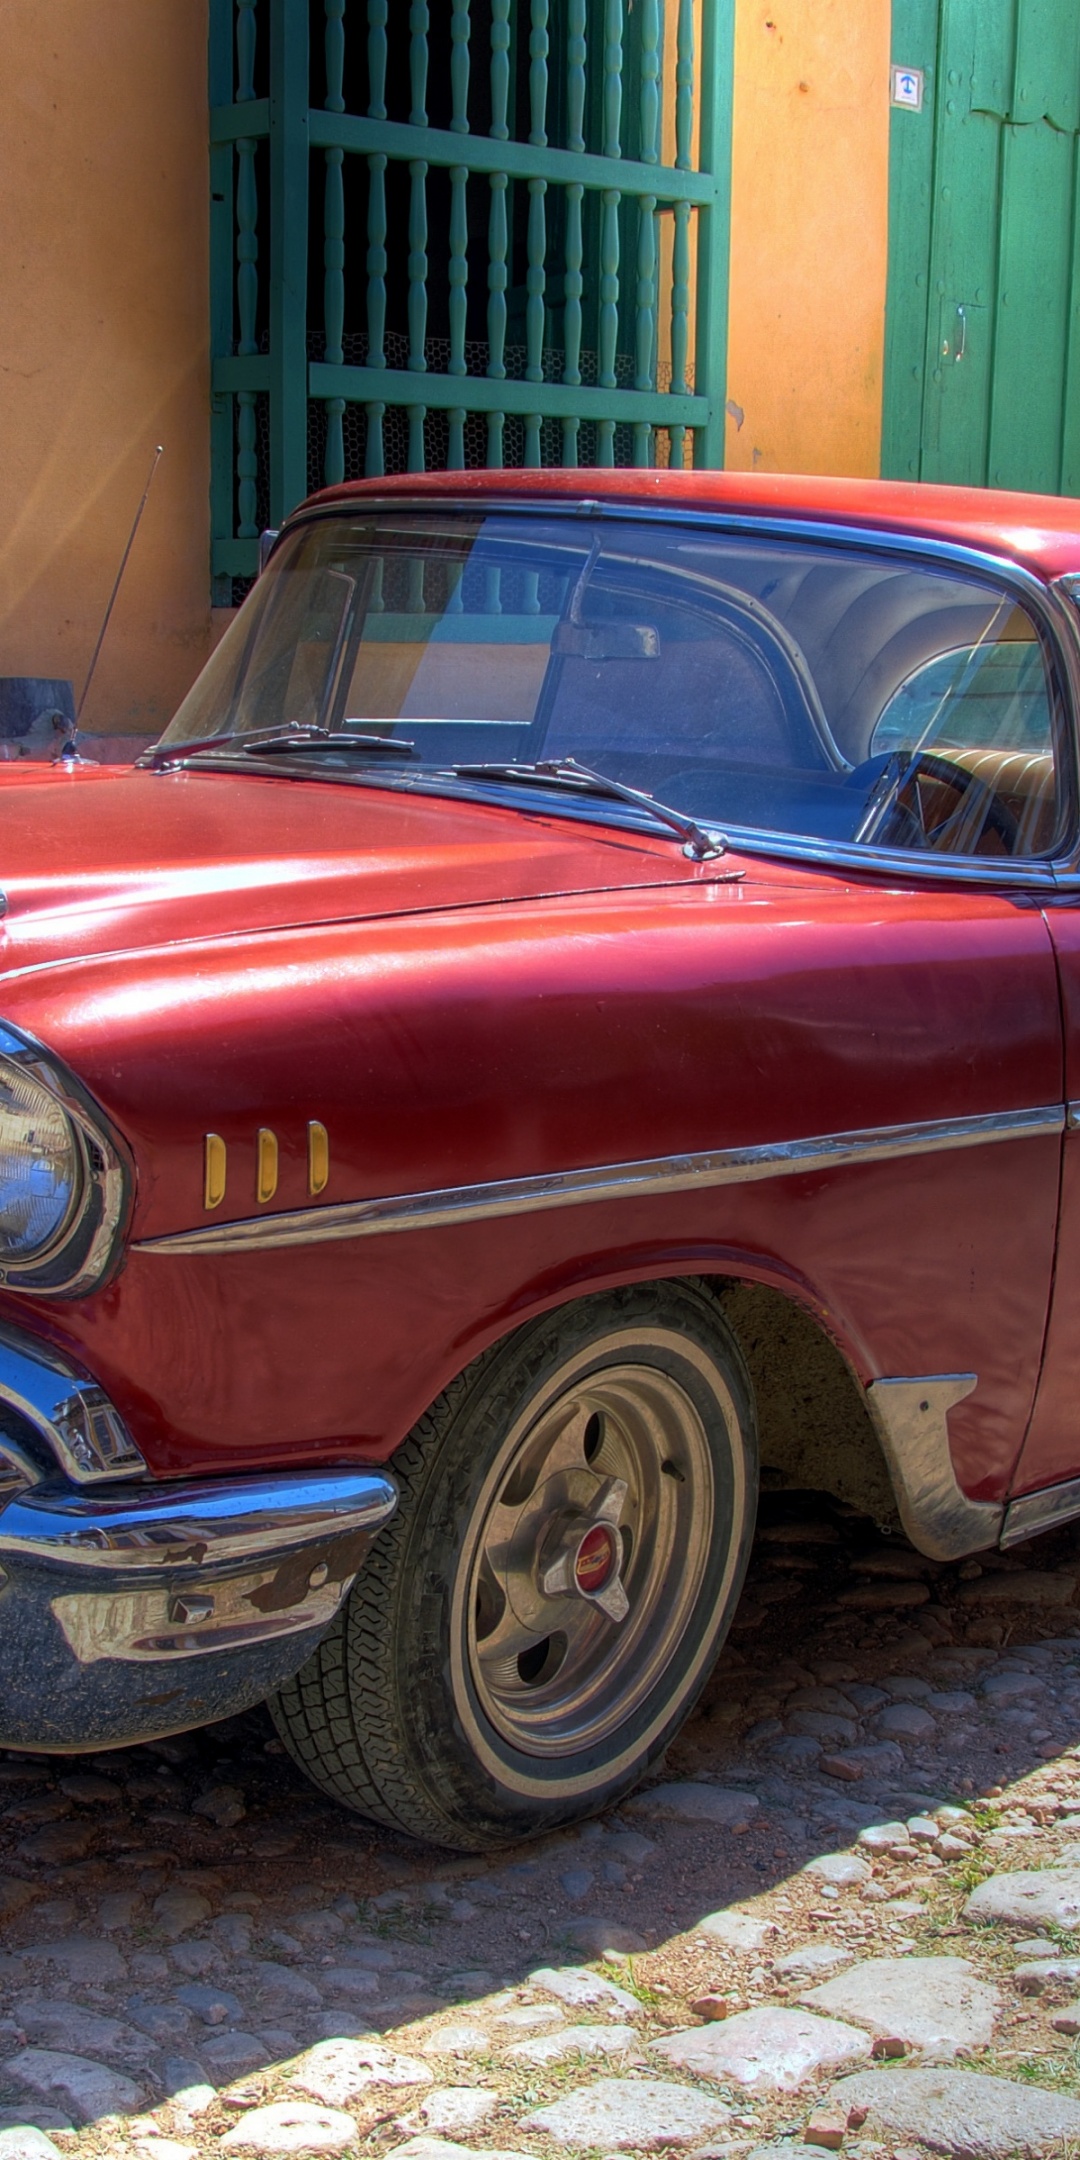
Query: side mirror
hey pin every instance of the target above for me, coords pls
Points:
(267, 541)
(37, 714)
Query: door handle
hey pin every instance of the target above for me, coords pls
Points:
(962, 347)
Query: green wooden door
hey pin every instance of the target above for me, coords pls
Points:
(982, 365)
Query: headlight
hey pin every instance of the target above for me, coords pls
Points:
(39, 1166)
(65, 1186)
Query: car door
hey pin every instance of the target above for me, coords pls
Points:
(949, 704)
(1051, 1454)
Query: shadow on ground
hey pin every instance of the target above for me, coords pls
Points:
(186, 1916)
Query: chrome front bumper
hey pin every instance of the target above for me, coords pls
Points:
(64, 1411)
(178, 1571)
(129, 1610)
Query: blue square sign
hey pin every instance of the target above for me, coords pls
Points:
(907, 88)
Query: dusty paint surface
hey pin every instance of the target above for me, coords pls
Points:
(103, 346)
(809, 239)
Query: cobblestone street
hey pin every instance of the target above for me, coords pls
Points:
(201, 1955)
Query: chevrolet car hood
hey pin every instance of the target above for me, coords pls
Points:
(104, 859)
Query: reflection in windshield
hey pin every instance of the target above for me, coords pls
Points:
(744, 681)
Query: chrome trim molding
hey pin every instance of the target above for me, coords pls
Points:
(1072, 1117)
(189, 1527)
(16, 1469)
(744, 520)
(81, 1428)
(911, 1417)
(1044, 1510)
(621, 1181)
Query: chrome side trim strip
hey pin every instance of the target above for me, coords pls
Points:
(1072, 1117)
(1044, 1510)
(619, 1181)
(912, 1420)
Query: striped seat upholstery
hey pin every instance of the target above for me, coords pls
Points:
(1024, 780)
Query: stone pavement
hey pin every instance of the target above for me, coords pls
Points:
(845, 1914)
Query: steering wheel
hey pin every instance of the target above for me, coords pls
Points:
(906, 827)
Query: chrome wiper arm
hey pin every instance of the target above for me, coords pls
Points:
(271, 741)
(582, 780)
(161, 754)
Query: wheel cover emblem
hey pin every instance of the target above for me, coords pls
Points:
(595, 1560)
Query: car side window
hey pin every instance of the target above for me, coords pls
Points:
(969, 735)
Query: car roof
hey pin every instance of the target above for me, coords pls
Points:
(1040, 532)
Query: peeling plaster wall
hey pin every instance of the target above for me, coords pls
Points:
(809, 235)
(103, 346)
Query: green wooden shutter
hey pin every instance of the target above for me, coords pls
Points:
(443, 234)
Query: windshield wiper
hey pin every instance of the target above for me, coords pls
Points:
(318, 739)
(582, 780)
(273, 742)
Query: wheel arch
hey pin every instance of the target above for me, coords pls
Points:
(816, 1430)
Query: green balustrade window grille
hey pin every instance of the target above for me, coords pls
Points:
(451, 233)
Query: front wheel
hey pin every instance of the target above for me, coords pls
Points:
(532, 1627)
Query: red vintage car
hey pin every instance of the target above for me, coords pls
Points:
(585, 992)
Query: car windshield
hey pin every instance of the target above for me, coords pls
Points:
(761, 683)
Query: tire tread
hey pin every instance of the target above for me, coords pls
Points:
(322, 1713)
(342, 1716)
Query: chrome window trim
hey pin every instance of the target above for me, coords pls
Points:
(1063, 603)
(1051, 602)
(620, 1181)
(1032, 875)
(79, 1256)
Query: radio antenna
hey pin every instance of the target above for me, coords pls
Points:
(116, 588)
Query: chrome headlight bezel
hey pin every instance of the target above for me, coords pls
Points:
(88, 1242)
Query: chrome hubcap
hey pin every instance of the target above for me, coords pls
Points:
(584, 1554)
(587, 1561)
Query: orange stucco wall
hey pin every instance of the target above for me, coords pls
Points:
(104, 321)
(103, 346)
(809, 235)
